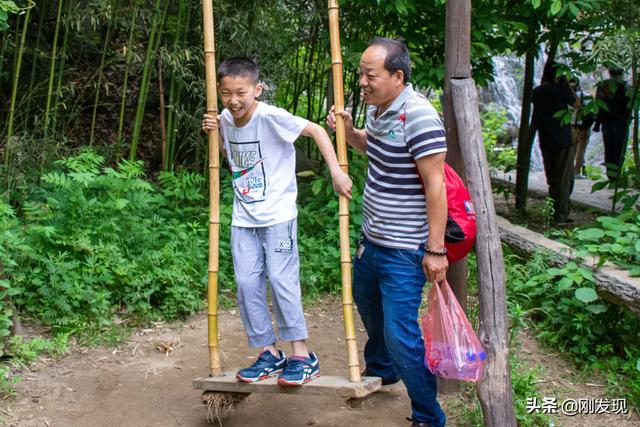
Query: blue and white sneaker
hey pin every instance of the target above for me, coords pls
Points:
(264, 367)
(300, 370)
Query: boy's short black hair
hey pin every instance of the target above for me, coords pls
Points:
(239, 66)
(397, 55)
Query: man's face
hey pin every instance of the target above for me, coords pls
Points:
(379, 86)
(237, 94)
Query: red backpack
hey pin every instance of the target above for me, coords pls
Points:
(460, 233)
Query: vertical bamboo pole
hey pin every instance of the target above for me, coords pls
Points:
(214, 189)
(54, 49)
(345, 250)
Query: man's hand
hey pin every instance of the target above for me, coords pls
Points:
(435, 267)
(346, 117)
(209, 122)
(342, 184)
(357, 138)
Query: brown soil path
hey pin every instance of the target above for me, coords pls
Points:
(136, 385)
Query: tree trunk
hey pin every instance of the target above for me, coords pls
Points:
(634, 109)
(494, 391)
(457, 47)
(524, 141)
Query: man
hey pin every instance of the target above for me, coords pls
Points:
(405, 213)
(553, 96)
(614, 121)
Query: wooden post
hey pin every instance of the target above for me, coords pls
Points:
(494, 391)
(345, 248)
(215, 366)
(457, 61)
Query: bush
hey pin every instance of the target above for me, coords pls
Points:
(564, 306)
(100, 240)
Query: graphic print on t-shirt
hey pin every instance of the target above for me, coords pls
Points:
(247, 169)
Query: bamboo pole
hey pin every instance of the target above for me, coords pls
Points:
(94, 115)
(163, 127)
(52, 69)
(126, 79)
(345, 249)
(214, 189)
(16, 78)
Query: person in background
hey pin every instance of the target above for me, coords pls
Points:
(614, 120)
(581, 123)
(553, 96)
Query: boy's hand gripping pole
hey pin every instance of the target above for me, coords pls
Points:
(345, 248)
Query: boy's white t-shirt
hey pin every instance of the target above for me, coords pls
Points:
(263, 164)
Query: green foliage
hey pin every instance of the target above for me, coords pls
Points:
(11, 241)
(100, 240)
(8, 381)
(563, 304)
(27, 351)
(617, 239)
(6, 7)
(625, 185)
(501, 157)
(319, 239)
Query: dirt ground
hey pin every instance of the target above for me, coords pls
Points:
(137, 385)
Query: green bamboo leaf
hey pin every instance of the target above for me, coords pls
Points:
(586, 295)
(574, 9)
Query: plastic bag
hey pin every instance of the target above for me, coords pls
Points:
(453, 350)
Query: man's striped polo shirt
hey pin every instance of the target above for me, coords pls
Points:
(395, 213)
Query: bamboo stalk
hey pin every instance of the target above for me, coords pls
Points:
(163, 128)
(34, 65)
(52, 70)
(166, 163)
(14, 91)
(16, 78)
(144, 83)
(126, 79)
(345, 251)
(63, 56)
(214, 189)
(97, 98)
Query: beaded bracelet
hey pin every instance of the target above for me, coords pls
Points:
(442, 252)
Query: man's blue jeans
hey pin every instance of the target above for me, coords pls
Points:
(387, 287)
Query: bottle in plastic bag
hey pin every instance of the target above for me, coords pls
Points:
(452, 349)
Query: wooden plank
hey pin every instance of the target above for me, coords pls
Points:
(323, 386)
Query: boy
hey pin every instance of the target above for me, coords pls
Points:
(258, 144)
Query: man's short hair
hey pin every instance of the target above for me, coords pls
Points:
(397, 55)
(549, 71)
(239, 66)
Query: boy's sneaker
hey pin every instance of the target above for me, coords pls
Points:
(265, 366)
(300, 370)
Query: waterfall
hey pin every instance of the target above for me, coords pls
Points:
(506, 91)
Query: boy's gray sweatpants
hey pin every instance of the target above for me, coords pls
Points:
(268, 252)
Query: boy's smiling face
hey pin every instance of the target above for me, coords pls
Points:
(238, 94)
